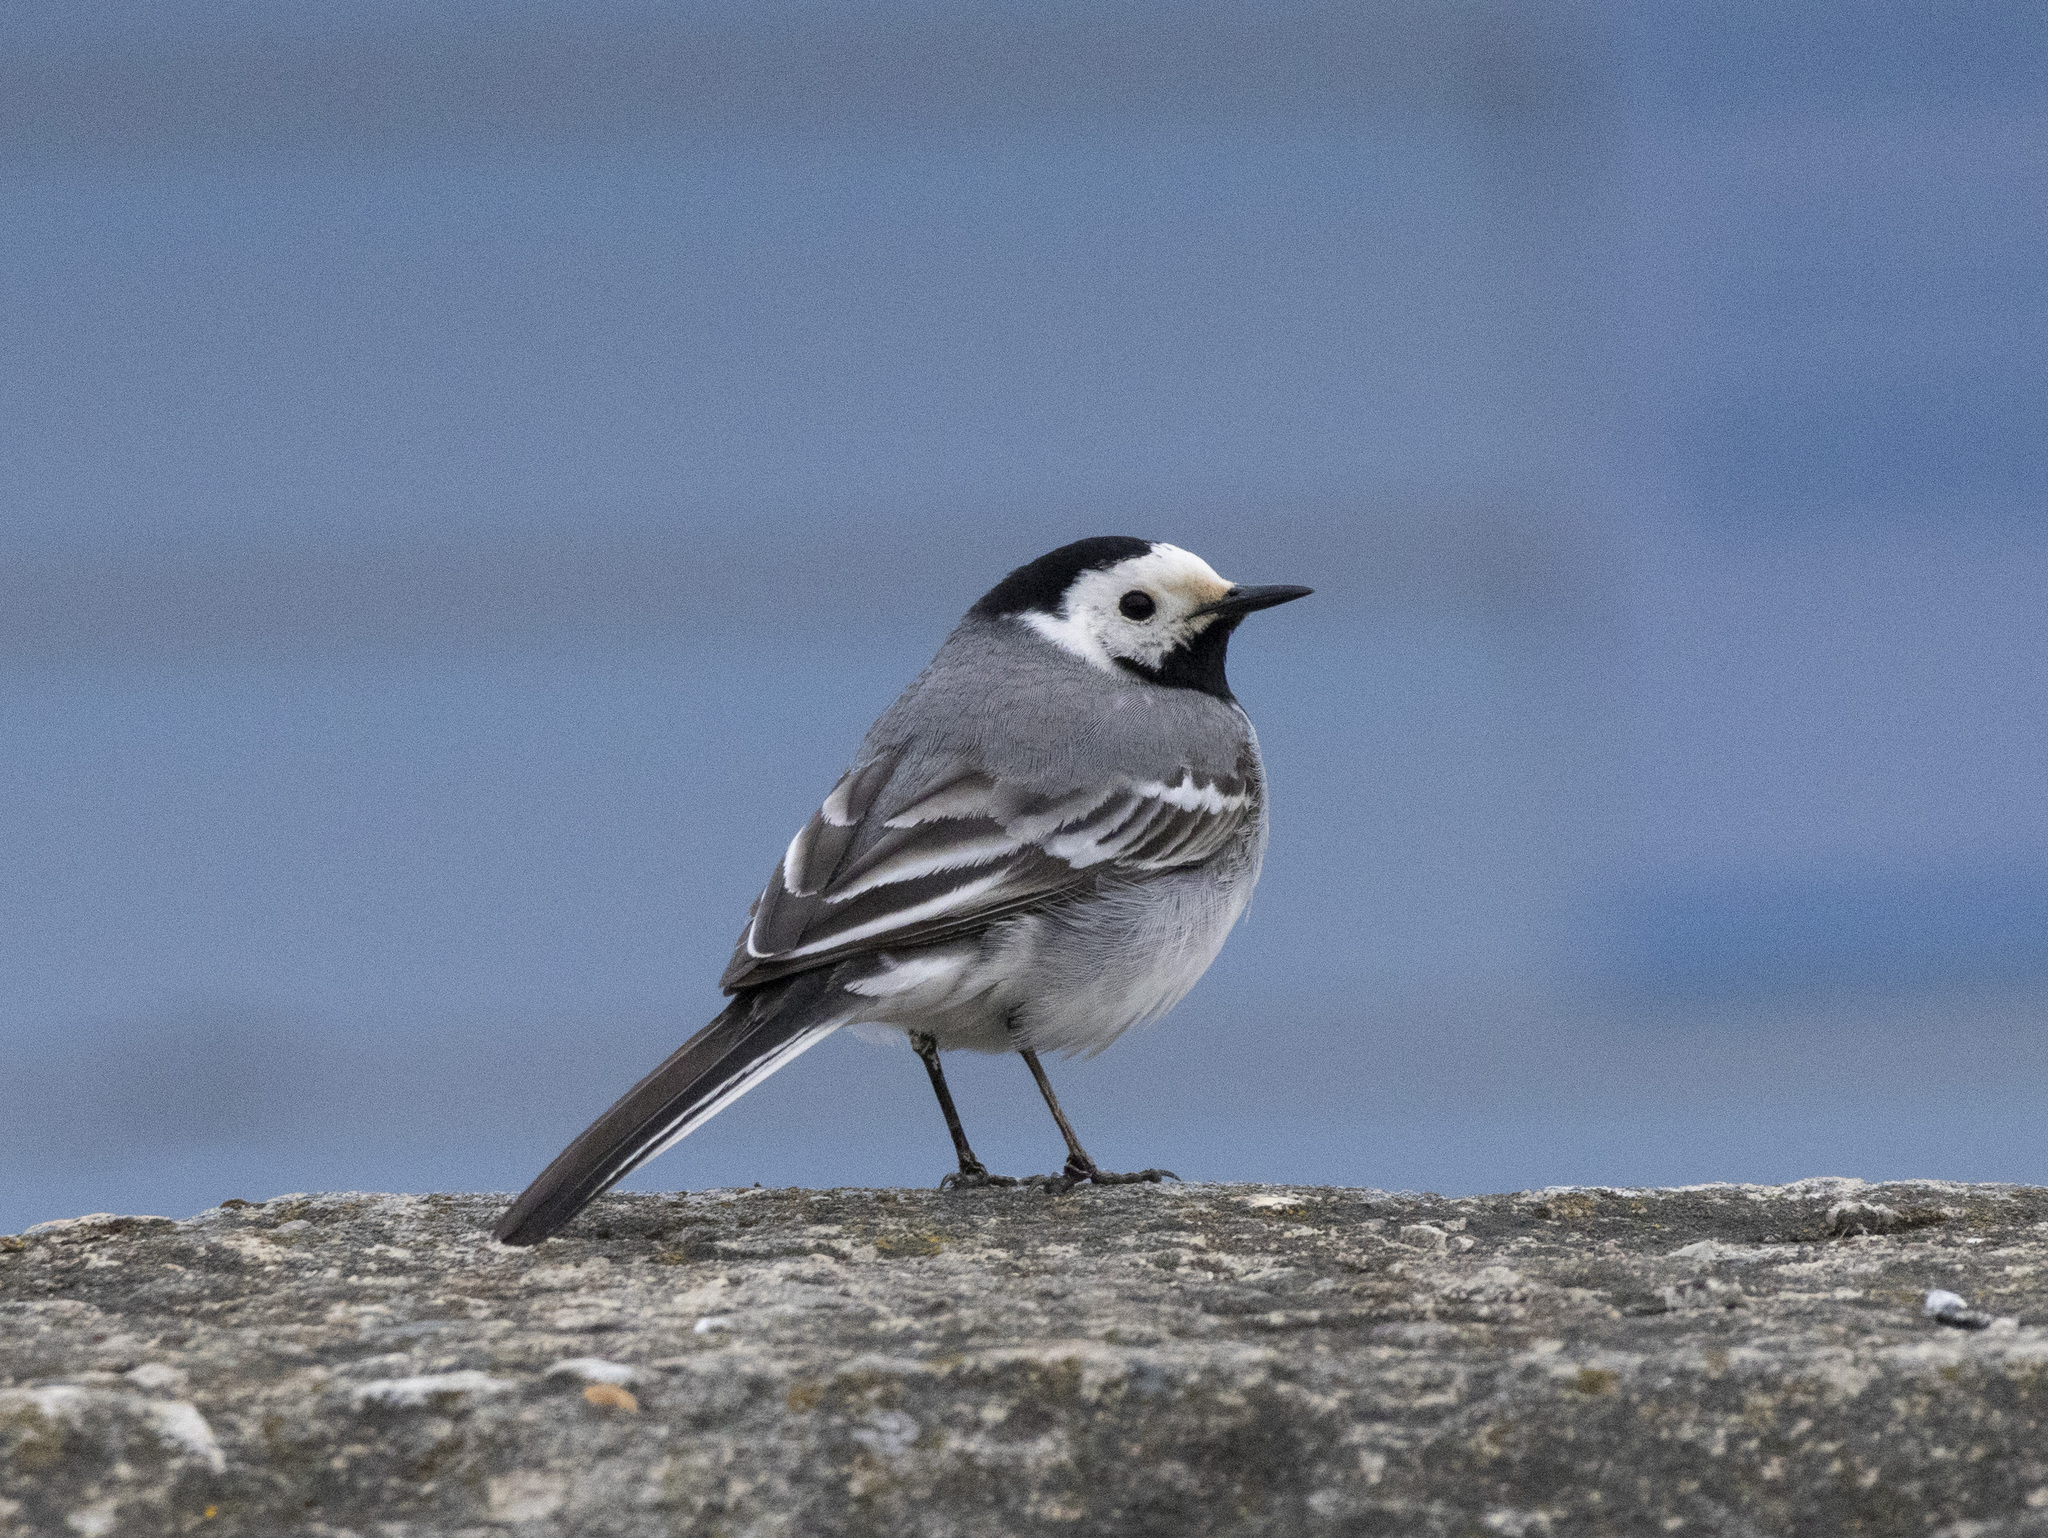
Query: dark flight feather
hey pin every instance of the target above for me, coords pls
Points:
(753, 1036)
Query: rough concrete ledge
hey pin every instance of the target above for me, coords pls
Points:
(1177, 1361)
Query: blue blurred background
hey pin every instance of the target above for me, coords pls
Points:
(468, 475)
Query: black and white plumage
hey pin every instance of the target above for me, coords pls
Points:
(1043, 842)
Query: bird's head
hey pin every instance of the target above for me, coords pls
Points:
(1133, 606)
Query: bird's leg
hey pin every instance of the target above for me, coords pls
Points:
(1079, 1166)
(972, 1171)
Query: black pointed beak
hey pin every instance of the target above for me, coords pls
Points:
(1243, 600)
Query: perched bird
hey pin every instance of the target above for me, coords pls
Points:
(1041, 844)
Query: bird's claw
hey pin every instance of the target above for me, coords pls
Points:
(1138, 1177)
(1079, 1172)
(1076, 1173)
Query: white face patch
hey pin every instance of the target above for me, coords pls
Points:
(1092, 623)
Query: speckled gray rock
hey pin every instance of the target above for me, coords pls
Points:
(1186, 1360)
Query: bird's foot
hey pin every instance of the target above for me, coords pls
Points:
(1136, 1177)
(975, 1177)
(1083, 1171)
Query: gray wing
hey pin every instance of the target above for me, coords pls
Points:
(956, 855)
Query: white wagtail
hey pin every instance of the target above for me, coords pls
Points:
(1041, 844)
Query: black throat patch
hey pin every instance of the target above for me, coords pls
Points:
(1195, 664)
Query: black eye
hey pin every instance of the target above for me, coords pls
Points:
(1137, 604)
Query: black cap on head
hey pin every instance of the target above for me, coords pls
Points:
(1041, 584)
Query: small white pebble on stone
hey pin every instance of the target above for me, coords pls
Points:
(711, 1322)
(594, 1369)
(94, 1521)
(890, 1433)
(408, 1393)
(181, 1427)
(1945, 1307)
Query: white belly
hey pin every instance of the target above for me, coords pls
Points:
(1070, 980)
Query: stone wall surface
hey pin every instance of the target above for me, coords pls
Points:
(1175, 1361)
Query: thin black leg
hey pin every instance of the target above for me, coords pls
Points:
(1079, 1166)
(972, 1171)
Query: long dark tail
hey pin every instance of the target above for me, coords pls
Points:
(753, 1036)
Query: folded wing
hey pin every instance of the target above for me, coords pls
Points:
(955, 855)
